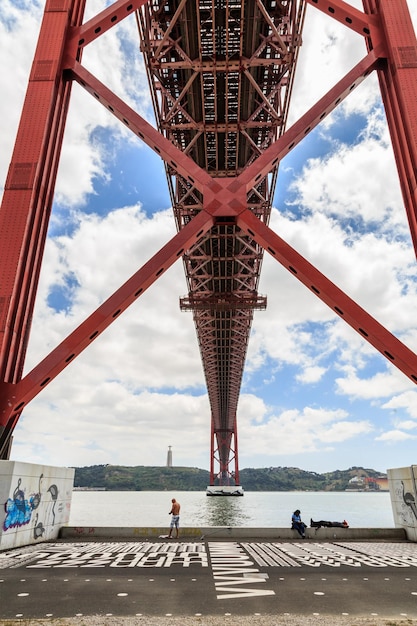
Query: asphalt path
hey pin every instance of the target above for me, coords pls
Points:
(200, 578)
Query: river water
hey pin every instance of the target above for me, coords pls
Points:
(254, 509)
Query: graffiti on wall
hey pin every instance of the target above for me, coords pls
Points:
(18, 511)
(21, 510)
(405, 503)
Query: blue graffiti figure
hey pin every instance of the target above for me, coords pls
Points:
(18, 510)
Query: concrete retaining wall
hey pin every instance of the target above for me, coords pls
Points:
(238, 533)
(402, 485)
(35, 502)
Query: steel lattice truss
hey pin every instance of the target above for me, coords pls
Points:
(221, 75)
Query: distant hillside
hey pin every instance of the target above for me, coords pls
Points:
(143, 478)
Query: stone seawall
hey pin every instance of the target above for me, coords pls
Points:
(238, 533)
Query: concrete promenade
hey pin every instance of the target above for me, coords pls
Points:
(209, 573)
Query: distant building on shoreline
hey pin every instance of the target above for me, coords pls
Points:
(169, 457)
(366, 483)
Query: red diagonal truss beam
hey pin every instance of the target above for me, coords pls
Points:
(354, 315)
(110, 310)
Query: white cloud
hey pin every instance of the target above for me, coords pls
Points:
(407, 425)
(104, 422)
(328, 52)
(154, 343)
(297, 432)
(355, 181)
(380, 385)
(311, 374)
(406, 400)
(395, 436)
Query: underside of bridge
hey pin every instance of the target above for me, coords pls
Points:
(221, 74)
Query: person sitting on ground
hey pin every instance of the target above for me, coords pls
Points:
(297, 524)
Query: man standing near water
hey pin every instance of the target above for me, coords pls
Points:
(175, 519)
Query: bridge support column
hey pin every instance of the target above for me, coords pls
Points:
(403, 490)
(37, 502)
(28, 195)
(398, 83)
(224, 454)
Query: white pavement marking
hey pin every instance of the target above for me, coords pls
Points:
(153, 555)
(233, 568)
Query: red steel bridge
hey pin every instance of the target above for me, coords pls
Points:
(221, 74)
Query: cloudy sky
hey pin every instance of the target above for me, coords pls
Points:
(314, 394)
